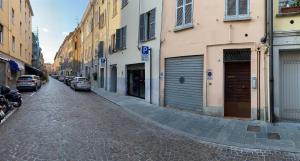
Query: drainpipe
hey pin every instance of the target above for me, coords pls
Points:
(271, 75)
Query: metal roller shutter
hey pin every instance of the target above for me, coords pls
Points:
(184, 83)
(290, 86)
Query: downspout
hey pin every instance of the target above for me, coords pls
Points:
(160, 55)
(107, 43)
(271, 75)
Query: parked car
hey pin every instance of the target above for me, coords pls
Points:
(81, 83)
(68, 80)
(61, 78)
(31, 82)
(55, 76)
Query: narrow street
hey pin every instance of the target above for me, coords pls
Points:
(57, 123)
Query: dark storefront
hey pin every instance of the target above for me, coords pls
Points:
(136, 80)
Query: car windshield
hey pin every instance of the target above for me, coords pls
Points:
(82, 79)
(25, 78)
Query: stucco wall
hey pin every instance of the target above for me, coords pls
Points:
(131, 55)
(282, 23)
(209, 36)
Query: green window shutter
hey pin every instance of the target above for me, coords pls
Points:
(124, 32)
(142, 27)
(152, 24)
(118, 39)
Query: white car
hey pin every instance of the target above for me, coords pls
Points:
(32, 82)
(81, 83)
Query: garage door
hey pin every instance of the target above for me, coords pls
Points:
(184, 83)
(290, 86)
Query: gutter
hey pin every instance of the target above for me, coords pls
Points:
(271, 75)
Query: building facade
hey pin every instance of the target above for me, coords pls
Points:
(15, 39)
(286, 57)
(36, 52)
(212, 60)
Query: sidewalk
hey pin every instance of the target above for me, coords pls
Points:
(229, 132)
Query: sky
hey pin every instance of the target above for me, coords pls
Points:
(54, 19)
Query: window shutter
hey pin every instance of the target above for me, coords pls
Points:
(188, 11)
(118, 39)
(142, 27)
(152, 24)
(179, 15)
(101, 49)
(124, 30)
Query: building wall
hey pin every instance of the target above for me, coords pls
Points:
(286, 38)
(129, 16)
(12, 27)
(209, 35)
(22, 34)
(282, 23)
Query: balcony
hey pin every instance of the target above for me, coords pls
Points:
(289, 7)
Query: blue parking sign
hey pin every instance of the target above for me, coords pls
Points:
(145, 53)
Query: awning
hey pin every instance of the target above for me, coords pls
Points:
(14, 67)
(8, 58)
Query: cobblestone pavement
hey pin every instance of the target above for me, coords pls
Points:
(57, 123)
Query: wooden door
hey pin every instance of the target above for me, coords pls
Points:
(237, 89)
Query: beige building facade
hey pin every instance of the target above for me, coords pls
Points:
(15, 38)
(212, 59)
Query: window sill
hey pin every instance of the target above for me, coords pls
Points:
(236, 18)
(184, 27)
(288, 14)
(145, 41)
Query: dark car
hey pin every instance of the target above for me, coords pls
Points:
(68, 80)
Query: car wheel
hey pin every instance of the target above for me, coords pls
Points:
(36, 88)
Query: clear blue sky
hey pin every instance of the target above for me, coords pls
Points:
(55, 19)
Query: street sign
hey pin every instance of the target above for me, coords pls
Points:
(103, 61)
(145, 52)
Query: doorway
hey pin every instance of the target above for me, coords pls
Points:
(113, 78)
(136, 80)
(237, 101)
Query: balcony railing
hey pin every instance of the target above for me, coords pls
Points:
(289, 6)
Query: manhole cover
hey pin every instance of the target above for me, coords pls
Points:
(252, 128)
(273, 136)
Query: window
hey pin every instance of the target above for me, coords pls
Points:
(13, 15)
(20, 49)
(96, 18)
(147, 25)
(101, 49)
(113, 43)
(289, 6)
(121, 38)
(1, 34)
(115, 5)
(102, 20)
(124, 3)
(13, 44)
(184, 13)
(237, 9)
(20, 28)
(20, 5)
(1, 4)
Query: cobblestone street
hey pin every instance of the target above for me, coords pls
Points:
(57, 123)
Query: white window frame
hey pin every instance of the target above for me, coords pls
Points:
(237, 16)
(184, 25)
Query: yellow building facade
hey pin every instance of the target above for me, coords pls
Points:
(286, 59)
(15, 37)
